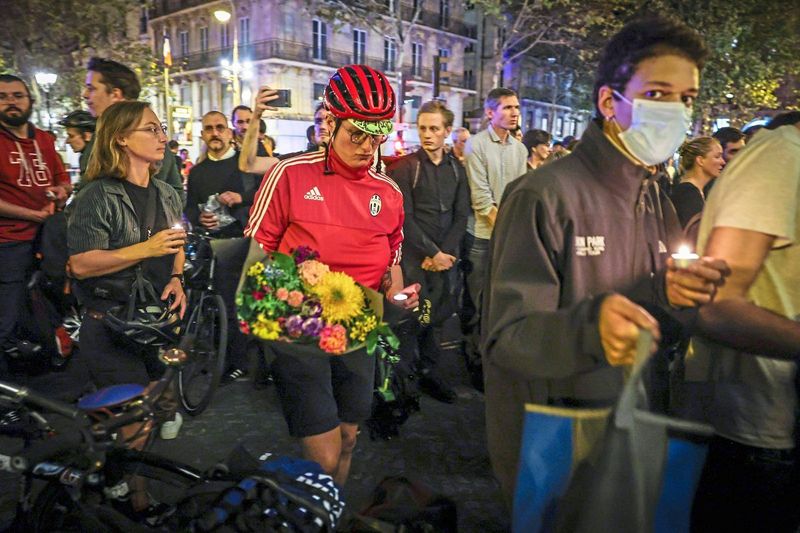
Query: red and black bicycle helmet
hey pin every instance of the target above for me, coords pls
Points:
(360, 93)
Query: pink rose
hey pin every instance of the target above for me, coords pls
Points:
(282, 294)
(295, 298)
(333, 339)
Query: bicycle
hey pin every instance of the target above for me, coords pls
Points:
(82, 466)
(85, 474)
(206, 324)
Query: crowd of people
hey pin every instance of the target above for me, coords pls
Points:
(553, 255)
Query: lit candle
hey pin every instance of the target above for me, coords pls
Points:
(178, 226)
(685, 257)
(400, 297)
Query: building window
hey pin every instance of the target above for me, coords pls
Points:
(389, 55)
(319, 91)
(186, 95)
(143, 19)
(469, 79)
(202, 94)
(359, 46)
(244, 30)
(183, 37)
(320, 39)
(204, 39)
(417, 5)
(444, 13)
(224, 36)
(443, 53)
(416, 59)
(545, 124)
(559, 126)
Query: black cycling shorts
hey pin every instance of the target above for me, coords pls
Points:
(112, 359)
(317, 393)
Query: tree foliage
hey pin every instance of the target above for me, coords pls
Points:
(61, 36)
(755, 44)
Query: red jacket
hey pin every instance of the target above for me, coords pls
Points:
(353, 218)
(27, 167)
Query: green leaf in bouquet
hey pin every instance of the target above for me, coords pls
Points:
(372, 341)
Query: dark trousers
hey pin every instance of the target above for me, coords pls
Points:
(747, 489)
(477, 256)
(226, 280)
(16, 261)
(419, 347)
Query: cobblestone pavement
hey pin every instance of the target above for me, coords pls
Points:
(443, 446)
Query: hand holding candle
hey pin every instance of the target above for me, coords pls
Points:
(685, 257)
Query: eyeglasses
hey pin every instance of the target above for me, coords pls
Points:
(154, 130)
(7, 97)
(358, 137)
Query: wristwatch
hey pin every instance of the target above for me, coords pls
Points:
(178, 275)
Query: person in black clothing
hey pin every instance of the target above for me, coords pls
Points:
(436, 204)
(701, 162)
(219, 174)
(580, 251)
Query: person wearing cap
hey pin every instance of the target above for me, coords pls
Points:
(339, 203)
(79, 127)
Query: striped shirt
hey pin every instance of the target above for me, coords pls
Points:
(352, 217)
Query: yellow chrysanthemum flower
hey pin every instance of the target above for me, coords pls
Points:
(340, 297)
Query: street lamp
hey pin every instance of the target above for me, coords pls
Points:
(46, 80)
(223, 16)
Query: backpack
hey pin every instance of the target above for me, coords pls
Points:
(395, 396)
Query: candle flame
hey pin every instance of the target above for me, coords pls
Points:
(684, 250)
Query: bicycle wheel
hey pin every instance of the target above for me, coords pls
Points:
(199, 378)
(107, 507)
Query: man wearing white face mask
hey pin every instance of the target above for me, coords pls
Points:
(579, 261)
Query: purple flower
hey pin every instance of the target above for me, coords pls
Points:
(312, 326)
(303, 253)
(311, 308)
(294, 325)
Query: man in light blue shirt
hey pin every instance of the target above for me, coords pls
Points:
(494, 158)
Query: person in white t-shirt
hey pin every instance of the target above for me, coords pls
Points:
(751, 478)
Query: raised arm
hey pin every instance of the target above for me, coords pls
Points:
(249, 161)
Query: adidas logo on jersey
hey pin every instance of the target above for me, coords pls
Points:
(314, 194)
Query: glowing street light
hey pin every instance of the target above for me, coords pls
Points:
(231, 71)
(46, 80)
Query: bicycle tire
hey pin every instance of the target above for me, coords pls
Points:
(55, 510)
(199, 378)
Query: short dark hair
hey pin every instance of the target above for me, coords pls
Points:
(10, 78)
(239, 107)
(728, 135)
(262, 126)
(172, 144)
(534, 138)
(642, 39)
(435, 106)
(494, 96)
(116, 76)
(783, 119)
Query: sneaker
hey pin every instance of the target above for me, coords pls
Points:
(170, 428)
(234, 374)
(437, 389)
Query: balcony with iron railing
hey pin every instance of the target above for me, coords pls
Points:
(301, 53)
(432, 19)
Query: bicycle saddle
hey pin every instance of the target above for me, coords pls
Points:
(112, 396)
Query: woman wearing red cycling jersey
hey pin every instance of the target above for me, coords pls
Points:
(338, 204)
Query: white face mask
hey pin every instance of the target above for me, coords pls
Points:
(657, 129)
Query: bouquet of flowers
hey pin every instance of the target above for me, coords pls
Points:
(297, 298)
